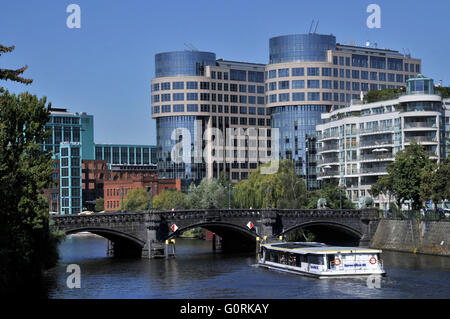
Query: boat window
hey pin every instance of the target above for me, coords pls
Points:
(315, 259)
(284, 258)
(292, 259)
(273, 255)
(298, 260)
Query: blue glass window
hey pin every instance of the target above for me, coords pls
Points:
(347, 85)
(335, 60)
(341, 60)
(298, 71)
(283, 85)
(165, 86)
(382, 76)
(261, 111)
(156, 109)
(313, 72)
(178, 96)
(399, 77)
(238, 75)
(283, 72)
(395, 64)
(326, 96)
(252, 110)
(347, 61)
(192, 96)
(242, 88)
(260, 89)
(283, 97)
(178, 85)
(355, 86)
(272, 86)
(365, 86)
(272, 74)
(364, 75)
(260, 99)
(335, 72)
(166, 108)
(326, 71)
(391, 77)
(326, 84)
(251, 89)
(298, 84)
(314, 96)
(165, 97)
(377, 62)
(373, 87)
(355, 74)
(373, 76)
(178, 107)
(273, 98)
(347, 73)
(191, 85)
(155, 87)
(341, 73)
(192, 107)
(298, 96)
(313, 84)
(255, 76)
(155, 98)
(360, 60)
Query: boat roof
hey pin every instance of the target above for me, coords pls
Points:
(317, 248)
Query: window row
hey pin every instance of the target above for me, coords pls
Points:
(233, 109)
(208, 97)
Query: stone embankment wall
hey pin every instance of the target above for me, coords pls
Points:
(413, 235)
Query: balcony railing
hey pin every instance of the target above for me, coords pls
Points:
(328, 173)
(418, 139)
(368, 157)
(376, 129)
(420, 124)
(334, 159)
(329, 135)
(375, 142)
(365, 170)
(330, 148)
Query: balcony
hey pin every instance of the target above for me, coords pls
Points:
(329, 136)
(328, 173)
(375, 143)
(373, 170)
(328, 160)
(409, 125)
(420, 139)
(330, 148)
(376, 157)
(375, 130)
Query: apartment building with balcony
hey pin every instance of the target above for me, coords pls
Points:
(357, 142)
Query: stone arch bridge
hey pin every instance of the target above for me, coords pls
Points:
(136, 233)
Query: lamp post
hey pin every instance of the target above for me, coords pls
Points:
(268, 194)
(121, 193)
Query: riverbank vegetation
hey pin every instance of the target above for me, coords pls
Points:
(27, 242)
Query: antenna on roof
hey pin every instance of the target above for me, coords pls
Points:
(310, 27)
(190, 46)
(316, 26)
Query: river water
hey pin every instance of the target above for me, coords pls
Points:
(198, 272)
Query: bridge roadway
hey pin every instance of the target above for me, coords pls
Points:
(139, 233)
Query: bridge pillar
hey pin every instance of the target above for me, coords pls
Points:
(369, 223)
(267, 224)
(153, 247)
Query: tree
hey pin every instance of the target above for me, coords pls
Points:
(12, 75)
(443, 90)
(136, 199)
(284, 189)
(27, 242)
(435, 184)
(210, 193)
(405, 176)
(99, 204)
(169, 199)
(333, 195)
(383, 94)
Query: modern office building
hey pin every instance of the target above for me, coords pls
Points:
(357, 142)
(311, 74)
(194, 92)
(307, 75)
(78, 175)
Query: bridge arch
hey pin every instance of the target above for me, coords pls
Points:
(125, 245)
(329, 232)
(234, 237)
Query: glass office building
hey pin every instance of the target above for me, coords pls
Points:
(307, 75)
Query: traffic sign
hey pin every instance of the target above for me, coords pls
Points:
(250, 225)
(174, 228)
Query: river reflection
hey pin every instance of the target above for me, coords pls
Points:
(197, 272)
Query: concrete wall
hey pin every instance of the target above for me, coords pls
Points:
(427, 237)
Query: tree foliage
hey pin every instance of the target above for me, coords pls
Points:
(27, 243)
(99, 204)
(333, 195)
(169, 199)
(407, 178)
(210, 193)
(383, 94)
(284, 189)
(443, 90)
(136, 199)
(12, 75)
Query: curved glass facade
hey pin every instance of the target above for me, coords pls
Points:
(300, 47)
(297, 127)
(182, 63)
(167, 168)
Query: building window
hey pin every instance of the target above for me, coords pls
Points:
(298, 84)
(283, 72)
(178, 85)
(298, 71)
(191, 85)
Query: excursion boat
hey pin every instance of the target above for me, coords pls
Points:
(320, 260)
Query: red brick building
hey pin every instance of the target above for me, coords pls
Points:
(93, 174)
(130, 177)
(52, 193)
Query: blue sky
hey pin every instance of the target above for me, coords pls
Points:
(105, 67)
